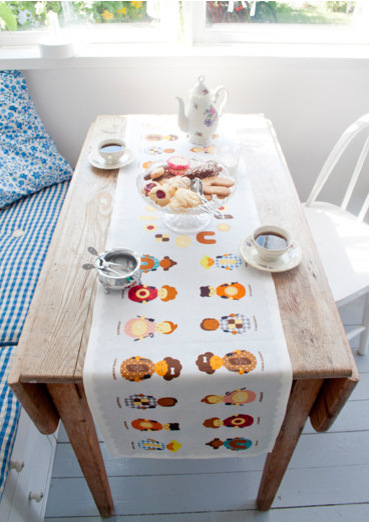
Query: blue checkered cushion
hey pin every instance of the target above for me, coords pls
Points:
(9, 415)
(26, 228)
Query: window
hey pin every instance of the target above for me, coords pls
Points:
(285, 22)
(187, 21)
(24, 22)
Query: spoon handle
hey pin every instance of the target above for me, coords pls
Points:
(88, 266)
(197, 187)
(92, 250)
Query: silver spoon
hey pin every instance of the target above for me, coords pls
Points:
(90, 266)
(196, 186)
(103, 261)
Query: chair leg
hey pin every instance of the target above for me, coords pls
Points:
(364, 338)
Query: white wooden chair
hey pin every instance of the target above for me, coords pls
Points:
(342, 237)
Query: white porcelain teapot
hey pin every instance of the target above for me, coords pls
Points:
(200, 118)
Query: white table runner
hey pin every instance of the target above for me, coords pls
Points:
(194, 362)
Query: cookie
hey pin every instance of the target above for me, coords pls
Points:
(179, 182)
(210, 168)
(216, 190)
(158, 172)
(178, 165)
(148, 187)
(185, 198)
(219, 180)
(160, 195)
(217, 186)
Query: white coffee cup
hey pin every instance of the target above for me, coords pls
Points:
(271, 242)
(111, 150)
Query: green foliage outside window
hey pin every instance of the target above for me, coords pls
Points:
(280, 12)
(30, 15)
(7, 18)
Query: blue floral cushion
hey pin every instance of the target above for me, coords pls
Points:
(29, 159)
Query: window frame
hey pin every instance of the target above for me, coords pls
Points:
(185, 23)
(356, 33)
(103, 33)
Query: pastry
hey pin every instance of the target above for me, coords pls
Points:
(148, 187)
(217, 186)
(160, 195)
(185, 198)
(210, 168)
(179, 182)
(157, 172)
(178, 165)
(217, 190)
(219, 180)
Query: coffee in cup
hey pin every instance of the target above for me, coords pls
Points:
(271, 242)
(111, 150)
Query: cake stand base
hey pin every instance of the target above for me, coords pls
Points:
(186, 224)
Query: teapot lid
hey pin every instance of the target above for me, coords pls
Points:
(200, 89)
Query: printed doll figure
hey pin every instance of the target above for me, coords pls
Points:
(142, 327)
(234, 398)
(145, 402)
(152, 425)
(232, 291)
(138, 369)
(155, 445)
(239, 361)
(225, 262)
(232, 323)
(151, 263)
(236, 421)
(236, 444)
(145, 293)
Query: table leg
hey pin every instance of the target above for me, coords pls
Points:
(71, 403)
(302, 398)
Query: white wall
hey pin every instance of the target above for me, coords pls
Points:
(309, 100)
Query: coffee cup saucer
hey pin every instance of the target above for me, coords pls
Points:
(286, 261)
(97, 161)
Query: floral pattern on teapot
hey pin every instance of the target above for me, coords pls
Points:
(201, 116)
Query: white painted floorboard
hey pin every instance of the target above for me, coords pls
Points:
(327, 480)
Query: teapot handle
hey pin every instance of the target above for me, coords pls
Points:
(222, 94)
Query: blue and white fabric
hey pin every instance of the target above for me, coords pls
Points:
(26, 228)
(9, 415)
(29, 159)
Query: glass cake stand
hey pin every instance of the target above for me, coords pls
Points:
(187, 220)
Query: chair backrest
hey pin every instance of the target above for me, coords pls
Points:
(347, 137)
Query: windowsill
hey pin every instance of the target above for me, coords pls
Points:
(110, 55)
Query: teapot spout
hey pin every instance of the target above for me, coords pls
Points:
(182, 118)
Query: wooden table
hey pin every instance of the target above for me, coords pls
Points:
(47, 370)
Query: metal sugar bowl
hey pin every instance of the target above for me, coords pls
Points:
(117, 269)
